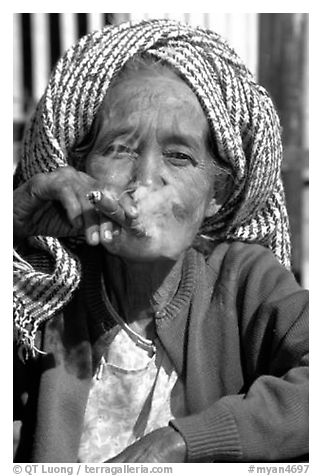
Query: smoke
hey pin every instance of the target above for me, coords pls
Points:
(155, 207)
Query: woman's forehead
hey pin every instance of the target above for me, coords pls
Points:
(147, 98)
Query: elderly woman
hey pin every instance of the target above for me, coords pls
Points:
(151, 286)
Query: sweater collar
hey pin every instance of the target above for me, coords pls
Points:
(92, 269)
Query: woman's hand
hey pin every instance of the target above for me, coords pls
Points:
(164, 445)
(56, 204)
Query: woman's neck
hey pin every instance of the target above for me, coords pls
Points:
(138, 290)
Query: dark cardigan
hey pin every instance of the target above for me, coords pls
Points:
(237, 333)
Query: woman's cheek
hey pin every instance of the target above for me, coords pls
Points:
(177, 233)
(109, 171)
(95, 166)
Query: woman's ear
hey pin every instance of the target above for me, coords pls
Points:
(212, 208)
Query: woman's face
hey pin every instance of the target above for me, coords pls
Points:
(154, 143)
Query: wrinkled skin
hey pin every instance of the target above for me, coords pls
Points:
(154, 137)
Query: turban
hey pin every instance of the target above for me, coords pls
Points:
(242, 121)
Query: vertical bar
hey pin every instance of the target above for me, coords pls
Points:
(243, 37)
(187, 17)
(121, 18)
(237, 32)
(306, 92)
(305, 245)
(68, 30)
(27, 61)
(228, 32)
(136, 16)
(252, 40)
(95, 21)
(40, 48)
(178, 16)
(17, 69)
(82, 24)
(217, 22)
(55, 44)
(197, 19)
(108, 18)
(18, 92)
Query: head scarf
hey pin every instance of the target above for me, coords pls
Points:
(242, 121)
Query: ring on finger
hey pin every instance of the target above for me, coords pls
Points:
(94, 196)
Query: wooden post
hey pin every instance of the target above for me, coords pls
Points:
(282, 67)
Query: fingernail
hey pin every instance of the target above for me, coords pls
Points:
(134, 211)
(108, 235)
(95, 237)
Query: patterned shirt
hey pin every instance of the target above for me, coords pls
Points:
(129, 397)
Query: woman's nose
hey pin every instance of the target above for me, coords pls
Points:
(149, 170)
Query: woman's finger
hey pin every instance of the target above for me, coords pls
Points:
(54, 204)
(90, 217)
(106, 230)
(108, 205)
(121, 211)
(91, 231)
(60, 186)
(69, 200)
(128, 205)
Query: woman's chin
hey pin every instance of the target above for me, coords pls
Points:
(144, 248)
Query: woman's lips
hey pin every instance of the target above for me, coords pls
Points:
(138, 229)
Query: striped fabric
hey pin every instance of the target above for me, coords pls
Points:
(241, 117)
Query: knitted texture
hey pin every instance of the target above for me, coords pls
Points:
(242, 121)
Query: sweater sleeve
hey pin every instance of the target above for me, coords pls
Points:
(268, 420)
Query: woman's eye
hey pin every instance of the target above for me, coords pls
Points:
(120, 151)
(179, 159)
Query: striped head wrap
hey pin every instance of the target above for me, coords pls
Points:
(242, 121)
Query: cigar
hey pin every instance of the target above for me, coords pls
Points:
(95, 196)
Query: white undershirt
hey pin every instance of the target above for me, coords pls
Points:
(129, 397)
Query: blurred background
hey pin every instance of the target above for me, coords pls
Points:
(274, 46)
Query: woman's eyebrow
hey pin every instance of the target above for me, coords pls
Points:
(106, 137)
(180, 138)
